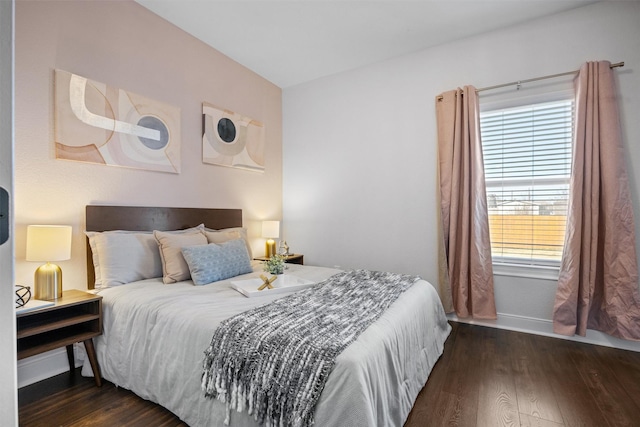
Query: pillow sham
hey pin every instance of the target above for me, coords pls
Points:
(121, 257)
(117, 255)
(214, 262)
(227, 234)
(174, 266)
(91, 235)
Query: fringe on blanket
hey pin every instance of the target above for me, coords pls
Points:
(274, 360)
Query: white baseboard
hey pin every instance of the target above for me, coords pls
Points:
(46, 365)
(544, 327)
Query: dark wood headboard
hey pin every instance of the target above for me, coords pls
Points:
(141, 218)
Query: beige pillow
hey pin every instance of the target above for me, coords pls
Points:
(226, 234)
(174, 266)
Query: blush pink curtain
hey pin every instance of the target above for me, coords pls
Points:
(598, 283)
(466, 248)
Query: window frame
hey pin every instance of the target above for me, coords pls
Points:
(511, 266)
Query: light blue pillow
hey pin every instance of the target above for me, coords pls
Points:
(212, 262)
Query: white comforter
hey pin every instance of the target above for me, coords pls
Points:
(154, 337)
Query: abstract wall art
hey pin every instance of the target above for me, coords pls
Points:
(230, 139)
(98, 123)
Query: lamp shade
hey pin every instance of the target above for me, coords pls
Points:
(48, 242)
(270, 229)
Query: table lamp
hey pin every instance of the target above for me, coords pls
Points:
(270, 231)
(48, 243)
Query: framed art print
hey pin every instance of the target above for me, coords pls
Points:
(98, 123)
(230, 139)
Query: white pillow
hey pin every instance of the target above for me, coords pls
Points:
(174, 266)
(123, 256)
(94, 255)
(227, 234)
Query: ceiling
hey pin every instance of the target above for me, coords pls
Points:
(292, 42)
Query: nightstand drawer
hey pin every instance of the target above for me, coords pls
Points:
(39, 323)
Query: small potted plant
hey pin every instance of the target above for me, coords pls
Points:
(274, 265)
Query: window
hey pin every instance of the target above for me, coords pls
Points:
(527, 160)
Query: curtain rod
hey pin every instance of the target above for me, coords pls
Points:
(551, 76)
(519, 82)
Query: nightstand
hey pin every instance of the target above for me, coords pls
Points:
(289, 259)
(75, 317)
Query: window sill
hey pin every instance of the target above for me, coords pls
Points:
(528, 271)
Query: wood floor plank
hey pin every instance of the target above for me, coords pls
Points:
(527, 420)
(576, 403)
(497, 404)
(623, 365)
(600, 380)
(64, 405)
(451, 412)
(535, 395)
(462, 381)
(129, 412)
(497, 398)
(80, 403)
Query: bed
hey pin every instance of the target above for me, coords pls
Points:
(155, 334)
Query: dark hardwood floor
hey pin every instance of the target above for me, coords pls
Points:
(492, 377)
(486, 377)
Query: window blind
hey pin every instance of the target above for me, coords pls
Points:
(527, 160)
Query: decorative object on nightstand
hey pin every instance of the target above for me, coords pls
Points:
(274, 265)
(283, 248)
(48, 243)
(23, 295)
(270, 231)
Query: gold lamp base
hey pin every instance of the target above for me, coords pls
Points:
(269, 248)
(48, 282)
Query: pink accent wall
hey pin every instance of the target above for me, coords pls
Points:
(122, 44)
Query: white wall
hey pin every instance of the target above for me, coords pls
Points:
(360, 147)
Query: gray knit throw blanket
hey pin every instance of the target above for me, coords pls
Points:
(274, 360)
